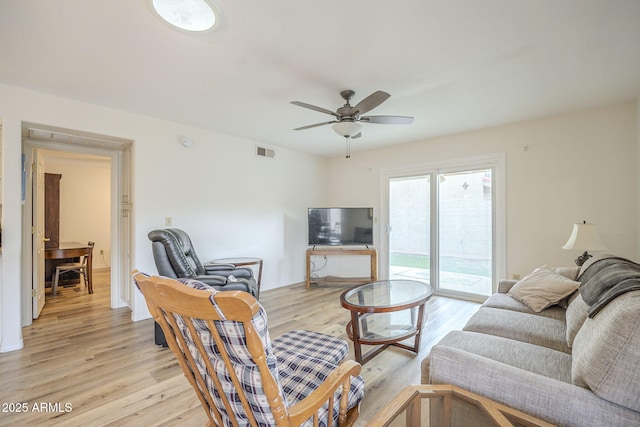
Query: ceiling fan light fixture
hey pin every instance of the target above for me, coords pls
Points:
(188, 15)
(347, 129)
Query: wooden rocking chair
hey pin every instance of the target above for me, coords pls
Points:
(243, 378)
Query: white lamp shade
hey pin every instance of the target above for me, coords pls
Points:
(347, 129)
(585, 238)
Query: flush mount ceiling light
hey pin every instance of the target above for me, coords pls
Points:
(188, 15)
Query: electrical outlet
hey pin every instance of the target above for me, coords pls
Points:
(516, 277)
(168, 221)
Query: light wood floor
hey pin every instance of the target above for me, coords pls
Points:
(87, 365)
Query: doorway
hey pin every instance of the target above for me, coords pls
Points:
(77, 205)
(81, 145)
(444, 226)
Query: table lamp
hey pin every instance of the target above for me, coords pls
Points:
(584, 238)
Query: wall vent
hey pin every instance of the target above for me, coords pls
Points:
(265, 152)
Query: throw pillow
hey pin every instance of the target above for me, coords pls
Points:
(568, 272)
(542, 288)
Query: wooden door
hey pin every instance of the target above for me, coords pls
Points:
(38, 237)
(52, 209)
(52, 228)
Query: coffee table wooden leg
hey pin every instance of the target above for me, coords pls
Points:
(355, 332)
(416, 346)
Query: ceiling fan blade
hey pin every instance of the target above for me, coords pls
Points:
(387, 120)
(313, 107)
(357, 135)
(371, 102)
(316, 125)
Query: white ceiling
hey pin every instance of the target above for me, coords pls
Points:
(455, 65)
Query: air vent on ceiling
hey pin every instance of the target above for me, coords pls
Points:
(265, 152)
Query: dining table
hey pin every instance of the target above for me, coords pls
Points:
(66, 250)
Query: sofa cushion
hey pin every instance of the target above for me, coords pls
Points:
(300, 375)
(507, 302)
(524, 327)
(533, 358)
(312, 344)
(554, 401)
(542, 288)
(606, 349)
(576, 315)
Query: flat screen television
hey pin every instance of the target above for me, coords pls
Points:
(340, 226)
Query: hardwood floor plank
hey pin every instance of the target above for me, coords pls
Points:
(82, 353)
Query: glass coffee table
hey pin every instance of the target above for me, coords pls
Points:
(385, 313)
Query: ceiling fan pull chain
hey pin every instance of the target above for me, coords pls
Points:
(348, 156)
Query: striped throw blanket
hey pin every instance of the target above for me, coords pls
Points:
(606, 279)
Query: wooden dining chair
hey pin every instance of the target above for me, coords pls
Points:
(241, 377)
(79, 267)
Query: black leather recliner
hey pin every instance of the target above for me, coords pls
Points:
(175, 257)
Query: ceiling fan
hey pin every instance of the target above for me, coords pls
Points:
(348, 119)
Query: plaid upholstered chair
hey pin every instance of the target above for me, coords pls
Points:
(242, 377)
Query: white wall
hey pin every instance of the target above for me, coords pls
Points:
(231, 202)
(577, 166)
(10, 280)
(559, 170)
(85, 189)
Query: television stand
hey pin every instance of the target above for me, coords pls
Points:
(372, 253)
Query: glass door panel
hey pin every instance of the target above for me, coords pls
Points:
(465, 218)
(409, 228)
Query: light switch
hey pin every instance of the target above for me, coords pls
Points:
(168, 221)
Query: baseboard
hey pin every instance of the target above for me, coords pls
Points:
(7, 347)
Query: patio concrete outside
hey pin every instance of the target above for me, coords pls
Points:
(459, 282)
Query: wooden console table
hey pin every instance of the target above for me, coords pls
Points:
(372, 253)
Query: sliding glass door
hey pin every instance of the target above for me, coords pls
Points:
(465, 232)
(441, 229)
(410, 228)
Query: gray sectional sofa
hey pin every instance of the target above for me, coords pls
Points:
(573, 366)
